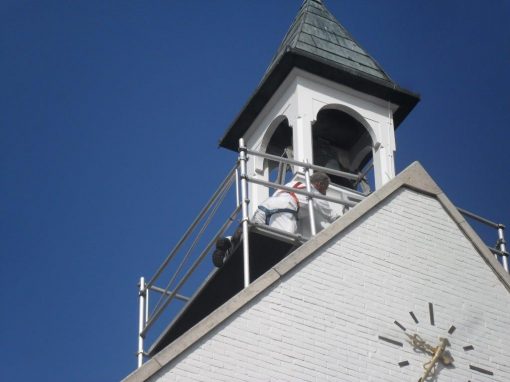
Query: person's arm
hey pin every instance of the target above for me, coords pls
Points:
(323, 208)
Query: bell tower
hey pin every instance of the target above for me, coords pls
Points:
(323, 100)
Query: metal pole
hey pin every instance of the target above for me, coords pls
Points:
(238, 202)
(245, 201)
(141, 320)
(478, 218)
(165, 292)
(146, 317)
(293, 162)
(158, 311)
(502, 245)
(276, 186)
(310, 202)
(225, 184)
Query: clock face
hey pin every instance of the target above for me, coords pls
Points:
(437, 350)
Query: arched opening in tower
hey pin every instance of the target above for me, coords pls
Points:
(280, 145)
(341, 142)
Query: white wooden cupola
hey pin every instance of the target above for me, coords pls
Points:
(325, 101)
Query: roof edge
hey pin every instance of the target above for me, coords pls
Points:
(414, 177)
(296, 58)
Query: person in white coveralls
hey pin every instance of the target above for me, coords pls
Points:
(282, 211)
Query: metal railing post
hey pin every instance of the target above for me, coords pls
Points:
(141, 320)
(245, 201)
(313, 230)
(146, 317)
(502, 245)
(238, 202)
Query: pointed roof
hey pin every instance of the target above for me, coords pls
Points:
(317, 43)
(316, 32)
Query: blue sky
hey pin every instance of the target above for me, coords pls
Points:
(110, 114)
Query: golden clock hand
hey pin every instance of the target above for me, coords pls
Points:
(445, 358)
(417, 342)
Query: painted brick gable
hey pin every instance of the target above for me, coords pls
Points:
(322, 321)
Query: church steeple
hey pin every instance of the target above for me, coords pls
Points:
(323, 100)
(317, 43)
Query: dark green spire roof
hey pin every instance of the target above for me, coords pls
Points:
(315, 31)
(317, 43)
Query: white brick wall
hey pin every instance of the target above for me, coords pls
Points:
(322, 322)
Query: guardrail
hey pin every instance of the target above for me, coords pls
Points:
(499, 252)
(237, 181)
(171, 291)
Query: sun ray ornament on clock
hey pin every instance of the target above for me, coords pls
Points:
(438, 350)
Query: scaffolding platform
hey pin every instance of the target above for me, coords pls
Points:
(267, 248)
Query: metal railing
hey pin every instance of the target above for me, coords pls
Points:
(171, 291)
(238, 179)
(499, 251)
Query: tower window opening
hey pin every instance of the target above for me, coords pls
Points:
(280, 145)
(342, 143)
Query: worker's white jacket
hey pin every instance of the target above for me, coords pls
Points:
(283, 209)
